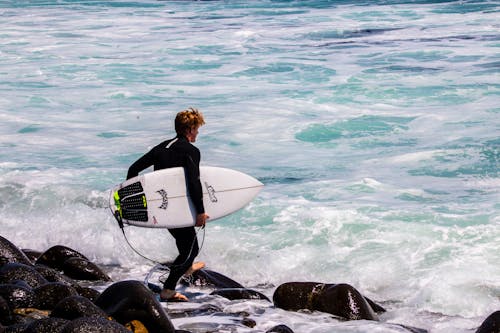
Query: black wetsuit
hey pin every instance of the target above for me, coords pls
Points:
(177, 152)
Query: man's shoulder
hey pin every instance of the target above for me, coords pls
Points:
(163, 144)
(179, 144)
(183, 142)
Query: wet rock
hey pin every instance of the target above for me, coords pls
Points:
(76, 306)
(203, 310)
(154, 288)
(249, 322)
(32, 255)
(136, 326)
(240, 293)
(31, 313)
(51, 293)
(376, 307)
(5, 312)
(131, 300)
(208, 278)
(17, 328)
(53, 275)
(340, 300)
(73, 263)
(55, 256)
(11, 253)
(46, 325)
(94, 325)
(17, 296)
(83, 269)
(280, 329)
(491, 324)
(16, 271)
(88, 292)
(411, 329)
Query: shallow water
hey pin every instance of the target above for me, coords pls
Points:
(374, 126)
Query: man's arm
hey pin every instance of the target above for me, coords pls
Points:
(142, 163)
(192, 169)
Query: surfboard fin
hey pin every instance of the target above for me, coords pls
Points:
(118, 218)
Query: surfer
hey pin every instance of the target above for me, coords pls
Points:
(179, 152)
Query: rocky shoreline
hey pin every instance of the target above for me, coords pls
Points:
(57, 291)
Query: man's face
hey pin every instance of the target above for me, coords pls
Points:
(192, 134)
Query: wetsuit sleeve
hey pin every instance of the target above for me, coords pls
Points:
(142, 163)
(192, 168)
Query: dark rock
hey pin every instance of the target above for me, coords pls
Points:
(239, 293)
(53, 275)
(94, 325)
(491, 324)
(83, 269)
(16, 271)
(340, 300)
(52, 293)
(411, 329)
(88, 292)
(208, 278)
(17, 328)
(376, 307)
(5, 312)
(73, 307)
(131, 300)
(17, 296)
(280, 329)
(32, 255)
(154, 288)
(56, 256)
(46, 325)
(10, 253)
(204, 310)
(249, 322)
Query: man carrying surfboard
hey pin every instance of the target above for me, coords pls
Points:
(179, 152)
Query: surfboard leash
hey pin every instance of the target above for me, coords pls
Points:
(122, 227)
(136, 251)
(119, 219)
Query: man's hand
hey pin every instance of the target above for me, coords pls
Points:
(201, 219)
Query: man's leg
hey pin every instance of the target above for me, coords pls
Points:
(187, 244)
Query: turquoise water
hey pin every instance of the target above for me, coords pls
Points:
(373, 124)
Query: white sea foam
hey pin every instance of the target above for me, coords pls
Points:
(398, 196)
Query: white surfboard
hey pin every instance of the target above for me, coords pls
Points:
(160, 200)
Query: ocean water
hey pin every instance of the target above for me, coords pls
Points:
(374, 126)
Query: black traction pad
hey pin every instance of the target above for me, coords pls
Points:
(133, 202)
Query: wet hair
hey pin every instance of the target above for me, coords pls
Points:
(188, 119)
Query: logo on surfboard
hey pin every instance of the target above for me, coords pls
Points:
(211, 192)
(164, 199)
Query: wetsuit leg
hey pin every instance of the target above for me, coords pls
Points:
(187, 244)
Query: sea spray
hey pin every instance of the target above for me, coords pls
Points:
(372, 124)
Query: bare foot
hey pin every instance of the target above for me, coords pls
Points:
(194, 267)
(172, 296)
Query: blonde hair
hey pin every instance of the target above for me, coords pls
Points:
(188, 119)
